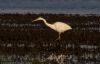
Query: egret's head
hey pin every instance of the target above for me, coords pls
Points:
(39, 18)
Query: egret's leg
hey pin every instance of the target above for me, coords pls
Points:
(58, 37)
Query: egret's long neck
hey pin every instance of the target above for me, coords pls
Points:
(49, 25)
(44, 21)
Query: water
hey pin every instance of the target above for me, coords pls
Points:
(50, 6)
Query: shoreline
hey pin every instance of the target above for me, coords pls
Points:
(45, 11)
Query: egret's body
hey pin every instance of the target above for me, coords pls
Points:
(60, 27)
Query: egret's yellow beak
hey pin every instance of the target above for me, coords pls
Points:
(35, 20)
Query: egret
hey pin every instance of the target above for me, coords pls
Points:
(60, 27)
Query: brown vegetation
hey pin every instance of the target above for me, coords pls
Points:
(38, 39)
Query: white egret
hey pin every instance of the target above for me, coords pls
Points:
(60, 27)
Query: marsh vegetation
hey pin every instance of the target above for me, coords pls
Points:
(22, 41)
